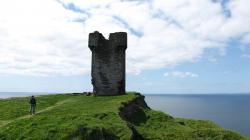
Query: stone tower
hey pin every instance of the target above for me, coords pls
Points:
(108, 63)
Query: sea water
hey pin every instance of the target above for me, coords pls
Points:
(230, 111)
(19, 94)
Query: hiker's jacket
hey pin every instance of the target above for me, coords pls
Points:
(32, 101)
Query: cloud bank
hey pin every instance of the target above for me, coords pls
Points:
(48, 37)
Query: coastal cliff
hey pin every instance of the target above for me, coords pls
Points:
(83, 116)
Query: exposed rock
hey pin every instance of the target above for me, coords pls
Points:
(132, 113)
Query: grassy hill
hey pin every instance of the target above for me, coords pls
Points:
(87, 117)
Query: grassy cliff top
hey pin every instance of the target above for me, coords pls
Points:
(88, 117)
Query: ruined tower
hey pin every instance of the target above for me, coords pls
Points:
(108, 63)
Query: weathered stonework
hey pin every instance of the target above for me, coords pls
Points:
(108, 63)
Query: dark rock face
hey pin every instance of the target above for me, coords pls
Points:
(132, 113)
(108, 63)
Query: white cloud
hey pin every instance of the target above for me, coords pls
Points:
(42, 37)
(180, 74)
(212, 60)
(245, 56)
(39, 38)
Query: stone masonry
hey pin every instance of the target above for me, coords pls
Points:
(108, 63)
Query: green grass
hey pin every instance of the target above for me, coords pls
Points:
(161, 126)
(88, 117)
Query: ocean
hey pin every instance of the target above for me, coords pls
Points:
(230, 111)
(21, 94)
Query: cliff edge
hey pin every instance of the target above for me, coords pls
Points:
(77, 116)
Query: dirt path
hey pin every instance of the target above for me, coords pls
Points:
(3, 123)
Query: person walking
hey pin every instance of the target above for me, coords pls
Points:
(32, 103)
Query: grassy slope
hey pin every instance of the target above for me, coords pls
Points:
(161, 126)
(85, 117)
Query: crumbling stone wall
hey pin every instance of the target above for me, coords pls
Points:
(108, 63)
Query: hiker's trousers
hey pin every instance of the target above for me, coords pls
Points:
(32, 108)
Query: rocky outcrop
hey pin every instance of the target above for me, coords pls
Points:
(132, 113)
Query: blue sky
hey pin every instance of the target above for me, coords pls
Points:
(181, 46)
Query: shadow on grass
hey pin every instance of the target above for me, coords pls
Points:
(91, 133)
